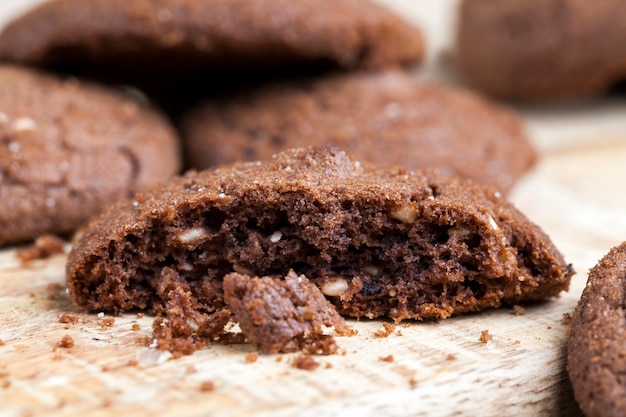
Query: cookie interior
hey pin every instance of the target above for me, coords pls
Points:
(385, 243)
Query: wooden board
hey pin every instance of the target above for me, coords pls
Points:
(438, 368)
(520, 371)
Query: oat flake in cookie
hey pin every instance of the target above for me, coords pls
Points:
(67, 149)
(376, 242)
(189, 35)
(596, 358)
(381, 117)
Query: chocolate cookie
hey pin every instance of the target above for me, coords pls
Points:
(67, 149)
(381, 117)
(154, 35)
(542, 49)
(376, 242)
(596, 356)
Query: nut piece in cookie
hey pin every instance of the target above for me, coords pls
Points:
(282, 315)
(462, 249)
(596, 352)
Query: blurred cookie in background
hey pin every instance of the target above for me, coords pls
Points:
(190, 36)
(68, 149)
(542, 50)
(382, 117)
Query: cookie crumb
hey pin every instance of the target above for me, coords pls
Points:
(135, 327)
(305, 362)
(518, 342)
(132, 362)
(485, 337)
(518, 310)
(66, 342)
(2, 342)
(279, 359)
(450, 357)
(207, 386)
(106, 323)
(6, 384)
(252, 357)
(44, 247)
(385, 330)
(67, 318)
(190, 370)
(139, 315)
(413, 383)
(567, 319)
(388, 358)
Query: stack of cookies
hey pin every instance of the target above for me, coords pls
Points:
(243, 79)
(336, 167)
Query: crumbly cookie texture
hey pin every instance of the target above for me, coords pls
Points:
(378, 243)
(192, 36)
(596, 359)
(69, 148)
(541, 50)
(283, 315)
(383, 117)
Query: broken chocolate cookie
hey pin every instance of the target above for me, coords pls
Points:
(377, 242)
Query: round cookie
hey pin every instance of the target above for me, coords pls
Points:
(152, 35)
(542, 49)
(596, 355)
(377, 242)
(382, 117)
(67, 149)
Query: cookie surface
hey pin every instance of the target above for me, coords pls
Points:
(376, 242)
(153, 35)
(542, 49)
(596, 359)
(67, 149)
(383, 117)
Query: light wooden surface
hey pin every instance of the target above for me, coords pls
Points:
(575, 194)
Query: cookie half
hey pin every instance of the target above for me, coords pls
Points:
(596, 353)
(542, 49)
(68, 149)
(188, 35)
(376, 242)
(385, 117)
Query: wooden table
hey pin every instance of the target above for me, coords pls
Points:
(439, 368)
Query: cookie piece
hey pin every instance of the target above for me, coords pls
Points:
(596, 360)
(376, 242)
(67, 149)
(189, 35)
(380, 117)
(542, 49)
(282, 315)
